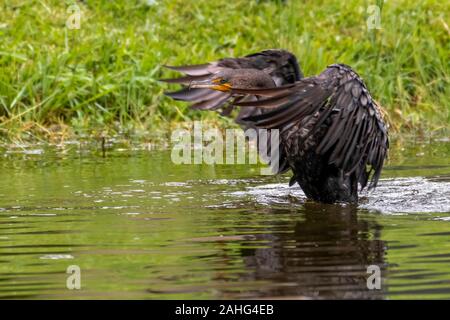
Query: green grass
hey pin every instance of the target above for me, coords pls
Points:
(103, 77)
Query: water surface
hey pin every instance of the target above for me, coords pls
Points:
(139, 227)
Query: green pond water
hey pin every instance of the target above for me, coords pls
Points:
(140, 227)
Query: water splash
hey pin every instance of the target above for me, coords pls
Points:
(409, 195)
(398, 195)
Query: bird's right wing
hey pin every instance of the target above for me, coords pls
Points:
(355, 137)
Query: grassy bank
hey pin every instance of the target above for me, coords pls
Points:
(102, 78)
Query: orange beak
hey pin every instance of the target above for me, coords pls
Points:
(211, 84)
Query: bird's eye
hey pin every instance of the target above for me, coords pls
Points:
(223, 81)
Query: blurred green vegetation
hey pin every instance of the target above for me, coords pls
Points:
(103, 76)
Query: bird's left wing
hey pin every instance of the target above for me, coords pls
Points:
(281, 65)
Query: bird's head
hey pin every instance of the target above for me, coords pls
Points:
(229, 79)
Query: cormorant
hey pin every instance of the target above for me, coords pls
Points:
(332, 133)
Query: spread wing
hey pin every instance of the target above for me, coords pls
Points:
(280, 64)
(355, 137)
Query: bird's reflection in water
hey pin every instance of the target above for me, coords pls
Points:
(324, 255)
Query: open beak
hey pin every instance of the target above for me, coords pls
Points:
(209, 84)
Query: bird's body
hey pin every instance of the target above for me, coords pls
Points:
(332, 134)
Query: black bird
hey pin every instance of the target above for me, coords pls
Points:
(332, 133)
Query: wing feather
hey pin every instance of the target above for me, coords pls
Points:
(280, 64)
(355, 140)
